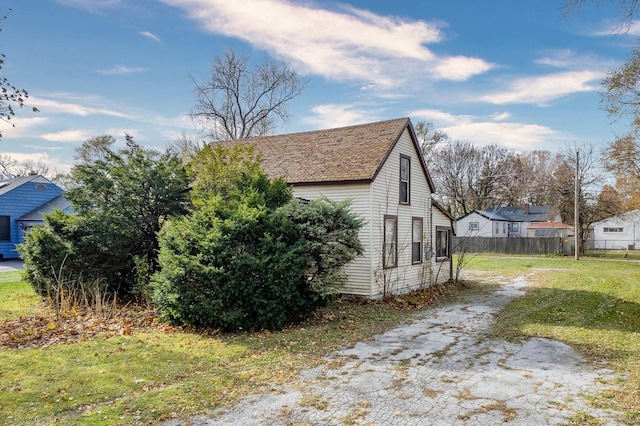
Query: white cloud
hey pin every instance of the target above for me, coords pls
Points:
(438, 117)
(150, 36)
(569, 60)
(122, 69)
(76, 135)
(516, 136)
(349, 43)
(460, 68)
(31, 156)
(48, 106)
(541, 89)
(54, 163)
(613, 27)
(24, 127)
(501, 116)
(634, 29)
(329, 116)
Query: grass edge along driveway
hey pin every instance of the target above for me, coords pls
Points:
(155, 374)
(592, 305)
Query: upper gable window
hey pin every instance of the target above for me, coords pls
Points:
(405, 179)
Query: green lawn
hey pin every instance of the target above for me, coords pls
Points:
(155, 374)
(593, 305)
(16, 297)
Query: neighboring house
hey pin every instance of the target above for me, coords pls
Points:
(550, 229)
(407, 237)
(617, 232)
(507, 222)
(23, 200)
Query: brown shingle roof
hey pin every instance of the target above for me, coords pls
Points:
(549, 225)
(345, 154)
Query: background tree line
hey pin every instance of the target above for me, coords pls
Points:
(469, 177)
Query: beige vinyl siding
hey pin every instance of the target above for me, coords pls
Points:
(441, 271)
(359, 271)
(386, 201)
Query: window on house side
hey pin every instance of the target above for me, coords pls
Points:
(515, 227)
(405, 179)
(390, 244)
(442, 243)
(416, 243)
(497, 228)
(616, 229)
(474, 226)
(504, 228)
(5, 228)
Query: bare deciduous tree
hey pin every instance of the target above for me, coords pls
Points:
(186, 146)
(11, 168)
(589, 180)
(626, 9)
(429, 138)
(239, 102)
(470, 178)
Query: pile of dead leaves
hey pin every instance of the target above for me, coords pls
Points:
(43, 330)
(414, 300)
(48, 329)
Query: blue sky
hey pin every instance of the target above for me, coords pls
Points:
(504, 72)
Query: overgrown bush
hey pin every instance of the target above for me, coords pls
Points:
(330, 232)
(120, 199)
(252, 257)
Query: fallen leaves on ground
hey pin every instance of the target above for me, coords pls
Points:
(41, 331)
(46, 330)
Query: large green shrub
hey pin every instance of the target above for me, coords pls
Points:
(330, 234)
(252, 257)
(120, 199)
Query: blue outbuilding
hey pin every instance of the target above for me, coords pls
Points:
(23, 202)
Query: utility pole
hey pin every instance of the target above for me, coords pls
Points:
(576, 210)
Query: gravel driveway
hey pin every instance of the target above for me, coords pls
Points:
(440, 369)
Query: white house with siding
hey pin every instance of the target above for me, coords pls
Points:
(506, 221)
(378, 166)
(616, 232)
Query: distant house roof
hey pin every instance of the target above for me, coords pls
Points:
(345, 154)
(36, 215)
(519, 213)
(549, 225)
(630, 216)
(11, 184)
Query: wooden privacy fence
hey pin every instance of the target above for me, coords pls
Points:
(527, 246)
